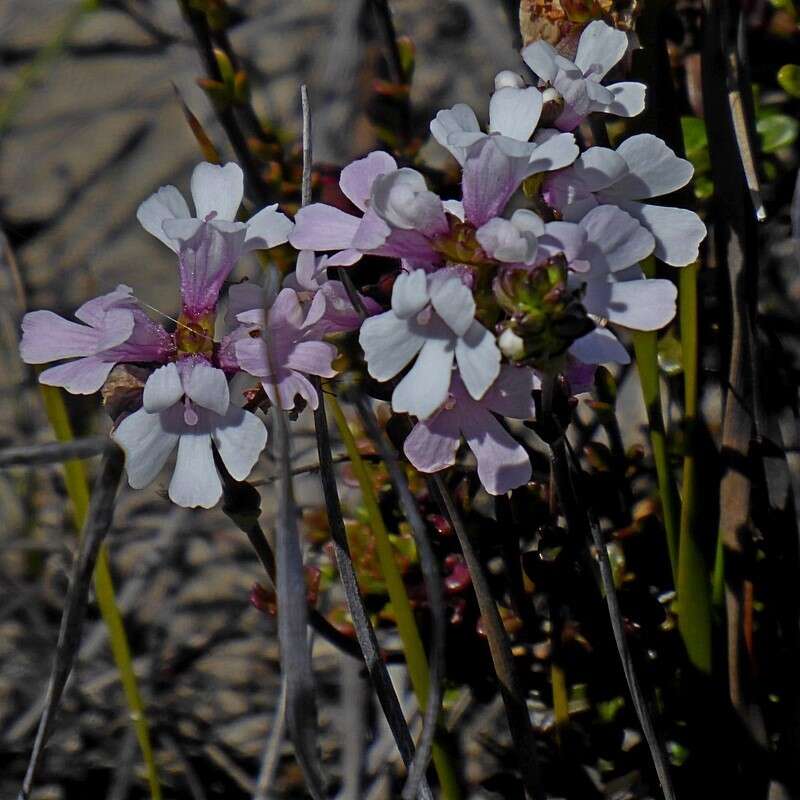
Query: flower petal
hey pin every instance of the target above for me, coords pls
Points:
(599, 347)
(195, 481)
(511, 394)
(251, 353)
(489, 179)
(290, 384)
(599, 167)
(239, 437)
(478, 360)
(312, 358)
(563, 237)
(217, 189)
(48, 337)
(618, 236)
(167, 203)
(677, 231)
(541, 58)
(268, 228)
(162, 389)
(425, 386)
(503, 463)
(600, 48)
(357, 178)
(147, 440)
(454, 303)
(458, 119)
(82, 376)
(555, 152)
(515, 112)
(402, 199)
(629, 99)
(372, 232)
(645, 305)
(93, 312)
(208, 387)
(654, 169)
(207, 261)
(432, 444)
(323, 227)
(410, 293)
(389, 343)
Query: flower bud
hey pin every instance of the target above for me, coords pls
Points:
(508, 79)
(544, 315)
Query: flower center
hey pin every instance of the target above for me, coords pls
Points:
(460, 244)
(195, 335)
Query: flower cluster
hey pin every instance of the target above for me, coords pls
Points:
(186, 400)
(490, 295)
(490, 292)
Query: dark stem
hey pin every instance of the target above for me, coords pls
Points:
(98, 523)
(383, 18)
(581, 528)
(260, 193)
(519, 722)
(365, 633)
(433, 588)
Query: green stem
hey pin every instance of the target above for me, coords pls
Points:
(694, 610)
(404, 615)
(78, 491)
(646, 346)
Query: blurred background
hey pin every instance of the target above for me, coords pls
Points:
(90, 125)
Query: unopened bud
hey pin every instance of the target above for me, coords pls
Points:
(508, 79)
(511, 345)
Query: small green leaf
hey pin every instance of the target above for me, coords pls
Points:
(789, 79)
(703, 187)
(777, 131)
(695, 141)
(695, 137)
(670, 355)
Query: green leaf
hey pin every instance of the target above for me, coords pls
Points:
(703, 187)
(776, 131)
(695, 142)
(670, 355)
(789, 79)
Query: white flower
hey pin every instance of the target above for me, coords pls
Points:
(514, 240)
(431, 322)
(641, 167)
(209, 244)
(188, 406)
(513, 116)
(402, 199)
(579, 83)
(615, 289)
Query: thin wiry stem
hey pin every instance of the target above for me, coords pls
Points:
(362, 624)
(290, 586)
(272, 751)
(432, 578)
(383, 17)
(365, 633)
(416, 659)
(52, 452)
(257, 188)
(582, 527)
(101, 513)
(519, 721)
(242, 504)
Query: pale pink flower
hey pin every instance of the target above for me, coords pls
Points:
(115, 330)
(503, 463)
